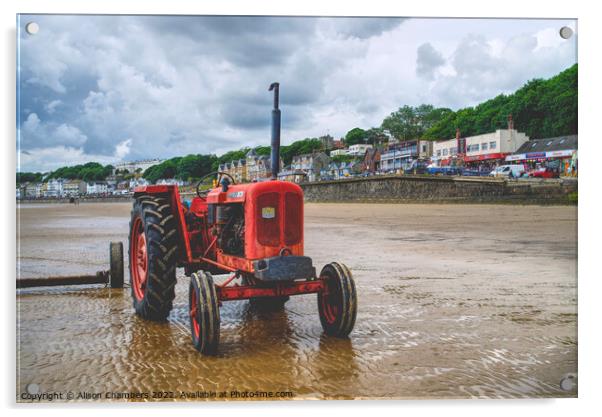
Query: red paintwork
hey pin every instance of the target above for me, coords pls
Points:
(329, 303)
(498, 155)
(248, 194)
(266, 232)
(196, 328)
(543, 173)
(249, 291)
(138, 251)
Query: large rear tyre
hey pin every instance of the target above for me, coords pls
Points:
(153, 248)
(204, 313)
(338, 304)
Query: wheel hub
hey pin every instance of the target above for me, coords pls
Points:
(139, 261)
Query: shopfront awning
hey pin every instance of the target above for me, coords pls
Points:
(541, 155)
(484, 157)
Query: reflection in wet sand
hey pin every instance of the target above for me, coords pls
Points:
(446, 311)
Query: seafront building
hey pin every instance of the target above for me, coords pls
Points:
(135, 166)
(252, 168)
(74, 188)
(311, 163)
(488, 149)
(400, 155)
(559, 153)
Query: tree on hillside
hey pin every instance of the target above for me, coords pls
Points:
(411, 122)
(355, 136)
(91, 171)
(540, 108)
(165, 170)
(300, 147)
(263, 150)
(192, 167)
(29, 177)
(376, 135)
(343, 158)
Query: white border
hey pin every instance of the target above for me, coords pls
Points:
(590, 127)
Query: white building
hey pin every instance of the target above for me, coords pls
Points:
(338, 152)
(494, 145)
(138, 182)
(33, 190)
(54, 188)
(486, 147)
(97, 187)
(169, 181)
(444, 149)
(74, 187)
(134, 166)
(358, 149)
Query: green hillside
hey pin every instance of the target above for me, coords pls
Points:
(541, 108)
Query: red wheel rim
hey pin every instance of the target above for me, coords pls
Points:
(331, 301)
(139, 259)
(196, 328)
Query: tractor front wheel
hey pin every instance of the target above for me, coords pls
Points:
(153, 253)
(204, 313)
(337, 304)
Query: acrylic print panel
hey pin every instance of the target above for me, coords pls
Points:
(218, 208)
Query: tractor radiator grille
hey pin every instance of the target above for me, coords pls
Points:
(293, 221)
(268, 219)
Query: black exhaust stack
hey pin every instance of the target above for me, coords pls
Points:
(275, 157)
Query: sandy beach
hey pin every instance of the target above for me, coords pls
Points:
(455, 301)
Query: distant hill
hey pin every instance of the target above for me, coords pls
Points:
(541, 108)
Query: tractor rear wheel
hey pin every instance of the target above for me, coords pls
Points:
(204, 313)
(153, 253)
(337, 305)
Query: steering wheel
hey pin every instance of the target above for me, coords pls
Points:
(203, 193)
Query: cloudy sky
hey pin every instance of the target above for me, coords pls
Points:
(112, 88)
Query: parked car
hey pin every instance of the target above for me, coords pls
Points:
(448, 170)
(514, 171)
(545, 172)
(472, 172)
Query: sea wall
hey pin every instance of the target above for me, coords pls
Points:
(441, 189)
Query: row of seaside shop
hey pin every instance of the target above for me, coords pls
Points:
(482, 154)
(485, 152)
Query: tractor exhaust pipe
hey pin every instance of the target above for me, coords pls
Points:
(275, 156)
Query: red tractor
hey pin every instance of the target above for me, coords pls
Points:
(254, 232)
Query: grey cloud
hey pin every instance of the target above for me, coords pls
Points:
(480, 73)
(246, 116)
(37, 133)
(242, 40)
(428, 60)
(147, 77)
(106, 87)
(363, 27)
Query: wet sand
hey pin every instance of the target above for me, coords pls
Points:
(455, 301)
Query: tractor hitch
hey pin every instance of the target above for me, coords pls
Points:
(112, 277)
